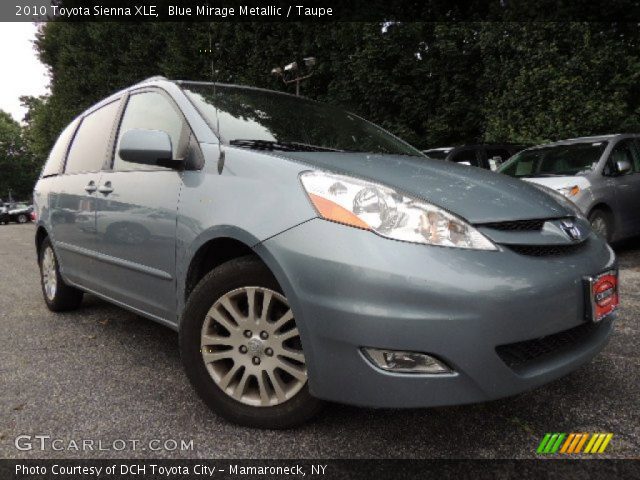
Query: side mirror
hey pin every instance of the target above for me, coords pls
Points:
(623, 167)
(148, 147)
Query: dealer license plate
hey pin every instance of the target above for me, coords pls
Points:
(601, 295)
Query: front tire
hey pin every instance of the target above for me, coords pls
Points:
(241, 348)
(58, 296)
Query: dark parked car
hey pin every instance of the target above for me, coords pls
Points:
(489, 155)
(4, 214)
(304, 254)
(15, 212)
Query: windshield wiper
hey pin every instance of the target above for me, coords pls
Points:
(280, 146)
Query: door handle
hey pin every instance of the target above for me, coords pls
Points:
(91, 187)
(106, 189)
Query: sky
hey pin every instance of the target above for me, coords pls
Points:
(22, 72)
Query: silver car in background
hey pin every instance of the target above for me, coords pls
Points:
(601, 175)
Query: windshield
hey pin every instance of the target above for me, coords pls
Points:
(263, 120)
(558, 160)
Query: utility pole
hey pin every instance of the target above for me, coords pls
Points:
(292, 73)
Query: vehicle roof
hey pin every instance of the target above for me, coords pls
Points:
(235, 85)
(160, 80)
(594, 139)
(472, 145)
(157, 80)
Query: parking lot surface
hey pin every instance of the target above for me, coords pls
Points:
(104, 374)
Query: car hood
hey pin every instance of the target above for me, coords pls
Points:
(560, 182)
(477, 195)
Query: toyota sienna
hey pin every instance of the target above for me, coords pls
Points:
(304, 254)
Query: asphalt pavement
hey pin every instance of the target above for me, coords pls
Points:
(103, 374)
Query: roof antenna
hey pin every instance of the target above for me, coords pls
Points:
(213, 79)
(211, 51)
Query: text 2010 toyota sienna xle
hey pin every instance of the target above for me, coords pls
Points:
(304, 254)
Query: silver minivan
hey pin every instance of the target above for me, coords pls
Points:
(601, 175)
(304, 254)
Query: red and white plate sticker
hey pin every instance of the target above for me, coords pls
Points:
(603, 295)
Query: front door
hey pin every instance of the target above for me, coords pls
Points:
(137, 214)
(626, 187)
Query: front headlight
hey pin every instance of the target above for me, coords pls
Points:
(569, 192)
(389, 213)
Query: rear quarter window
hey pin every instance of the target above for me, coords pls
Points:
(55, 161)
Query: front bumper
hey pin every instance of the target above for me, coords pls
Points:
(351, 288)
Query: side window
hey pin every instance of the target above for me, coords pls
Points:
(89, 147)
(55, 161)
(466, 157)
(149, 111)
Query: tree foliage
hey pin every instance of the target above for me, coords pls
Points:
(557, 80)
(16, 162)
(432, 84)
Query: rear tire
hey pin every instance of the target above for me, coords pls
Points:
(246, 385)
(58, 296)
(22, 218)
(601, 223)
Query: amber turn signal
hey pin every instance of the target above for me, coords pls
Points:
(332, 211)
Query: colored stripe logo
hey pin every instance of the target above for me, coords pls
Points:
(574, 443)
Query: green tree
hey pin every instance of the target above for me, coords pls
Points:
(432, 84)
(16, 166)
(547, 81)
(40, 130)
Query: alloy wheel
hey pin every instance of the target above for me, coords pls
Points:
(251, 347)
(49, 276)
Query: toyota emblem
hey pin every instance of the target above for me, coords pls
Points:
(570, 229)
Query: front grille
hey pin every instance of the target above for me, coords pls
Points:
(521, 354)
(517, 225)
(531, 225)
(547, 250)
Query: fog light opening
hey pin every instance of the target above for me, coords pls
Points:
(405, 362)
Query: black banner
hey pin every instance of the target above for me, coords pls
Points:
(318, 10)
(119, 469)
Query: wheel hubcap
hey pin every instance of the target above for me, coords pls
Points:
(251, 347)
(49, 278)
